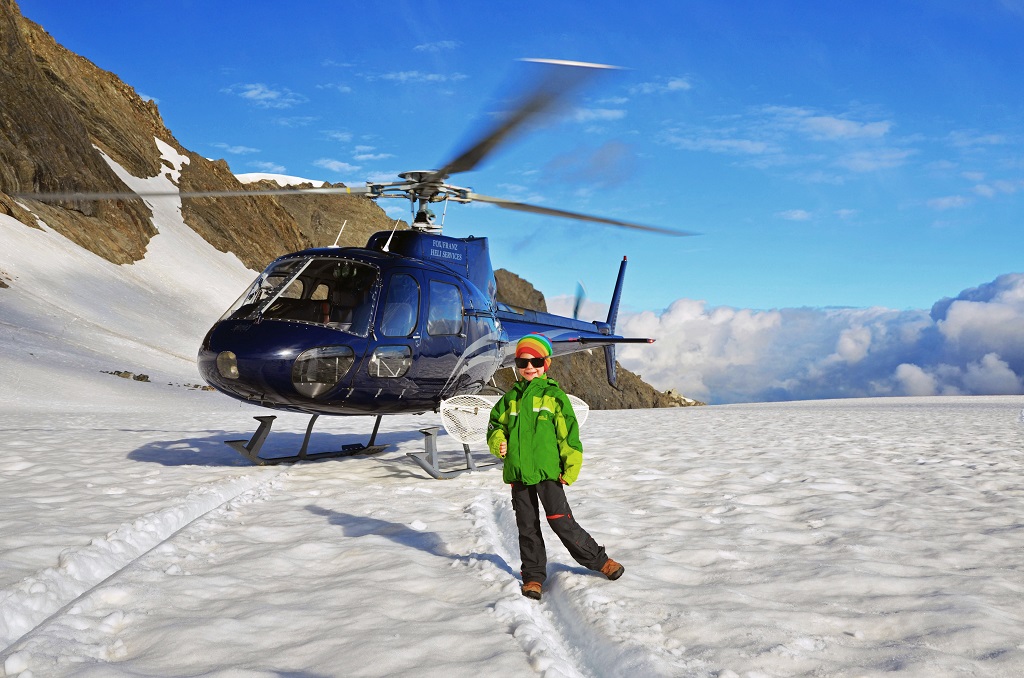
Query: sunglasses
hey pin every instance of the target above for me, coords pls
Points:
(536, 362)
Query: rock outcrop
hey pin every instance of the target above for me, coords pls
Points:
(59, 113)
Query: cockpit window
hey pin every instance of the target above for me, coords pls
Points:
(401, 309)
(444, 315)
(333, 292)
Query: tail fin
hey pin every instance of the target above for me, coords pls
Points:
(609, 363)
(613, 308)
(613, 317)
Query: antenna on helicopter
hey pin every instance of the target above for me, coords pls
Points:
(393, 229)
(336, 240)
(444, 212)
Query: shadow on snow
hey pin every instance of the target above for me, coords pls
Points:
(353, 526)
(211, 450)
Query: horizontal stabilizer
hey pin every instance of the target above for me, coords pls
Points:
(603, 341)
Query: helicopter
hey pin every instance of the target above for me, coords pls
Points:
(402, 324)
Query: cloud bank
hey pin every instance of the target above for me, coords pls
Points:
(971, 344)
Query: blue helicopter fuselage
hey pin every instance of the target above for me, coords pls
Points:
(394, 327)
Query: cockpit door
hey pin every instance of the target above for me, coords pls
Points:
(442, 333)
(397, 334)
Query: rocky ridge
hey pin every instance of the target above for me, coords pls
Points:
(60, 112)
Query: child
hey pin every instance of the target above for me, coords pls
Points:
(534, 429)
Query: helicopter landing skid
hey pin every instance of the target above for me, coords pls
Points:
(251, 449)
(428, 458)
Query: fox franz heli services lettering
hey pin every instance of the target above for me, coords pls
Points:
(445, 250)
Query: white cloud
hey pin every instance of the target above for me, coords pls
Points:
(719, 144)
(968, 138)
(334, 135)
(295, 121)
(948, 202)
(992, 375)
(830, 127)
(875, 159)
(853, 344)
(801, 138)
(664, 86)
(236, 150)
(404, 77)
(987, 319)
(795, 215)
(271, 167)
(823, 127)
(439, 46)
(913, 381)
(336, 165)
(337, 87)
(970, 344)
(601, 114)
(264, 96)
(368, 157)
(1008, 187)
(999, 186)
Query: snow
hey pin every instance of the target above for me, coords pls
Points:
(283, 180)
(835, 538)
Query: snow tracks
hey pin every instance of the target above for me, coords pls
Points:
(31, 602)
(572, 632)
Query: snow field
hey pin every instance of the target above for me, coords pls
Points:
(883, 541)
(832, 538)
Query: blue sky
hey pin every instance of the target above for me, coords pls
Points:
(855, 169)
(831, 154)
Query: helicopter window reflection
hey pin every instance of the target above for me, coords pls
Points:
(293, 291)
(390, 362)
(444, 316)
(332, 292)
(401, 308)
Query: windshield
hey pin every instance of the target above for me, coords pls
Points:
(333, 292)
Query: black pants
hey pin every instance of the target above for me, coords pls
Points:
(580, 544)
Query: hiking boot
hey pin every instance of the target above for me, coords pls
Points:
(612, 570)
(531, 589)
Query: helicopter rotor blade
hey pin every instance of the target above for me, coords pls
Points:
(577, 304)
(139, 195)
(536, 209)
(558, 80)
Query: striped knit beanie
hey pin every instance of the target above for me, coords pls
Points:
(534, 346)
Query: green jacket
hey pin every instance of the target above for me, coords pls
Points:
(536, 419)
